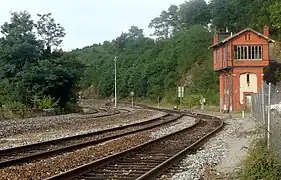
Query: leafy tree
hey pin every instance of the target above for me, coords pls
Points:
(274, 14)
(239, 14)
(50, 32)
(27, 70)
(166, 23)
(223, 14)
(195, 12)
(152, 69)
(19, 50)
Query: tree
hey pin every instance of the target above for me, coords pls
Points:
(50, 32)
(194, 12)
(179, 55)
(239, 14)
(27, 70)
(152, 69)
(19, 48)
(223, 14)
(135, 33)
(166, 24)
(274, 14)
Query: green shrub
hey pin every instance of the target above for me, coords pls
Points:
(260, 163)
(35, 100)
(17, 108)
(212, 98)
(191, 100)
(47, 102)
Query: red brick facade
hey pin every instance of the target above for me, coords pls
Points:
(240, 60)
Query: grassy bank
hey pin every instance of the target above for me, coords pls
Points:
(260, 163)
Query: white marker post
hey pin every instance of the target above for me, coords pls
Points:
(202, 101)
(132, 95)
(180, 93)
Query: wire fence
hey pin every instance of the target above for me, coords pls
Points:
(266, 108)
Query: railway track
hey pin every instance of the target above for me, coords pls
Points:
(104, 110)
(5, 133)
(148, 160)
(45, 149)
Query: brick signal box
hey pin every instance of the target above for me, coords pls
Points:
(240, 59)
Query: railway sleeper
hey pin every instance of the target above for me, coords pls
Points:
(162, 147)
(109, 175)
(137, 163)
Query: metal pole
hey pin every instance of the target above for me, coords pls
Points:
(115, 86)
(263, 107)
(132, 101)
(268, 115)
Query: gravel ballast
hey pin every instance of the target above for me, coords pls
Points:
(26, 131)
(224, 150)
(47, 167)
(182, 123)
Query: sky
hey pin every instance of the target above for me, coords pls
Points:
(87, 22)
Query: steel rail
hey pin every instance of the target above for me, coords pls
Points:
(133, 128)
(95, 169)
(161, 168)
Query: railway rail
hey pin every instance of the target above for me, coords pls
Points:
(27, 153)
(5, 133)
(104, 110)
(148, 160)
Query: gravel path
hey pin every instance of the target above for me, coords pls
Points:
(47, 167)
(15, 133)
(224, 150)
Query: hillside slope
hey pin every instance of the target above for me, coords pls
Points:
(152, 69)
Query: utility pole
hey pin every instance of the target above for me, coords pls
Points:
(115, 86)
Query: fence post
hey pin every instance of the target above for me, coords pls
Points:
(263, 107)
(268, 115)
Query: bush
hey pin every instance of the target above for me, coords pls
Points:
(212, 98)
(260, 163)
(191, 100)
(171, 99)
(17, 108)
(47, 102)
(35, 100)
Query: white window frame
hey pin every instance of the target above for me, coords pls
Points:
(246, 52)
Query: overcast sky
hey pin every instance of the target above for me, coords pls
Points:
(91, 21)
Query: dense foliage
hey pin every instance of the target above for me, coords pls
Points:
(29, 69)
(179, 56)
(151, 69)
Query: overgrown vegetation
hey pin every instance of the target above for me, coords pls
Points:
(33, 72)
(179, 56)
(261, 163)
